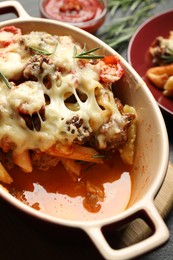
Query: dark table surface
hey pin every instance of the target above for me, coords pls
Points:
(21, 237)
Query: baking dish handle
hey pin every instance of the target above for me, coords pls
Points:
(160, 235)
(6, 5)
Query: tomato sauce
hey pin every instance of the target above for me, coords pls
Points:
(55, 193)
(76, 12)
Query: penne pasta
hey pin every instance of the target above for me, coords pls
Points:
(23, 160)
(4, 176)
(160, 74)
(127, 151)
(168, 87)
(77, 152)
(72, 167)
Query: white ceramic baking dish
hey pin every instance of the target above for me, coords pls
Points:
(151, 157)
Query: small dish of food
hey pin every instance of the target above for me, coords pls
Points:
(161, 73)
(87, 15)
(149, 53)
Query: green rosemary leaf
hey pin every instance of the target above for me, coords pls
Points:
(74, 52)
(43, 51)
(103, 156)
(90, 57)
(120, 40)
(5, 80)
(89, 51)
(135, 5)
(39, 51)
(87, 54)
(167, 58)
(98, 156)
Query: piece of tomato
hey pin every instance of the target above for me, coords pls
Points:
(9, 38)
(111, 69)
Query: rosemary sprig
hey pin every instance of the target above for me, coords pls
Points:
(43, 51)
(167, 57)
(87, 54)
(5, 80)
(125, 16)
(102, 156)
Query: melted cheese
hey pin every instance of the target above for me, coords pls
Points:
(29, 97)
(68, 77)
(11, 65)
(167, 42)
(5, 36)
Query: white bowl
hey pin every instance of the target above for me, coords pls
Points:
(151, 157)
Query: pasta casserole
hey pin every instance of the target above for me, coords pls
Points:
(57, 105)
